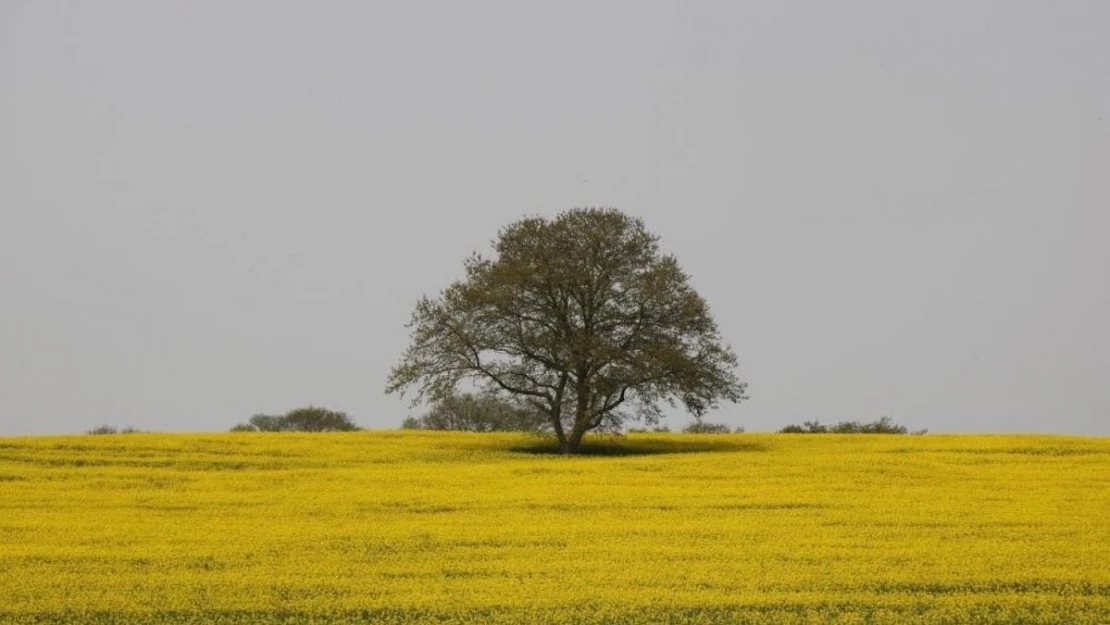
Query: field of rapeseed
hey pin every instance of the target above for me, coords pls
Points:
(414, 527)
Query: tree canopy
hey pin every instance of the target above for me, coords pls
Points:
(704, 427)
(581, 317)
(884, 425)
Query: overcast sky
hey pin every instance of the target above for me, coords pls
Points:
(210, 209)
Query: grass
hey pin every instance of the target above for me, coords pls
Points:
(426, 527)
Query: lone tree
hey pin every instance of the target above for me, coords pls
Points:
(582, 318)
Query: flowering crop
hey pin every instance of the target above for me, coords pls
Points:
(413, 527)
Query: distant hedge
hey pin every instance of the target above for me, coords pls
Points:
(705, 427)
(108, 429)
(882, 426)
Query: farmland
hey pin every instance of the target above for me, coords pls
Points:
(414, 527)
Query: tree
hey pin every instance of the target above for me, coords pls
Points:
(108, 429)
(809, 427)
(698, 426)
(308, 419)
(884, 425)
(482, 412)
(658, 429)
(582, 318)
(264, 423)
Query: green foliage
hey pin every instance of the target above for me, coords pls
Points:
(582, 318)
(483, 412)
(265, 423)
(698, 426)
(108, 429)
(312, 419)
(809, 427)
(883, 426)
(308, 419)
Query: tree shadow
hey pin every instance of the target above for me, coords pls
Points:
(620, 446)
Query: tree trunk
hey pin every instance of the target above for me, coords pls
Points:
(574, 441)
(563, 442)
(581, 425)
(557, 423)
(581, 418)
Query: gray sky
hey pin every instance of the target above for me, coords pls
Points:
(212, 209)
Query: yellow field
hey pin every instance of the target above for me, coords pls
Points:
(400, 527)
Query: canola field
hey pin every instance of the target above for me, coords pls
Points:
(445, 528)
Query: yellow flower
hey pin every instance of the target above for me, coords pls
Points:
(411, 527)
